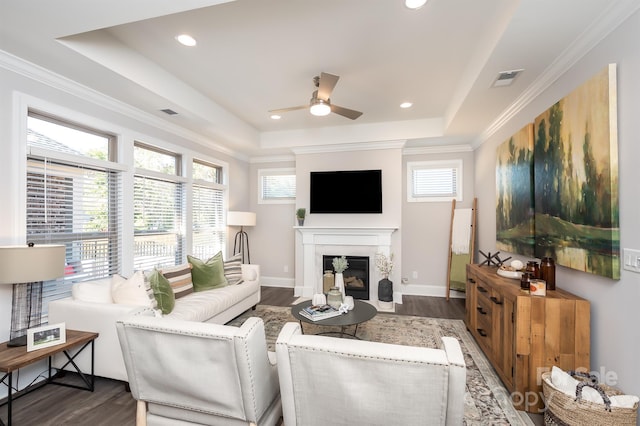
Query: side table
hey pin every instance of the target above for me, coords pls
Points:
(15, 358)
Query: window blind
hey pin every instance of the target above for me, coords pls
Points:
(436, 182)
(76, 206)
(158, 223)
(208, 221)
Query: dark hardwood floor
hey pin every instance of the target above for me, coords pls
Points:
(111, 405)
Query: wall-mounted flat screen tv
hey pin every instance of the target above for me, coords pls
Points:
(349, 191)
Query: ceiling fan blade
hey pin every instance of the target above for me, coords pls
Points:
(327, 83)
(281, 110)
(346, 112)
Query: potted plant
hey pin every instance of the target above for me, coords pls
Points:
(300, 214)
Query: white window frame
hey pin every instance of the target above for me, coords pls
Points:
(412, 166)
(274, 172)
(181, 209)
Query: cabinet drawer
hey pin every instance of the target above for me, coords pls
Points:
(484, 331)
(484, 309)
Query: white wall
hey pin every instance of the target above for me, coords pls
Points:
(615, 317)
(427, 225)
(272, 239)
(420, 244)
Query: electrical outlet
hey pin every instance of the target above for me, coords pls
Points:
(414, 275)
(286, 268)
(631, 260)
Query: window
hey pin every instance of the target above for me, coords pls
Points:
(208, 210)
(431, 181)
(72, 199)
(158, 205)
(276, 186)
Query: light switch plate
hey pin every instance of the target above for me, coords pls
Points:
(631, 260)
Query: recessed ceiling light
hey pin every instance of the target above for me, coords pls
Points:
(276, 117)
(414, 4)
(186, 40)
(406, 105)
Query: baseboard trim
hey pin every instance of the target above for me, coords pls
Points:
(429, 290)
(277, 282)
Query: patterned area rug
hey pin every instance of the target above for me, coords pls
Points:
(487, 400)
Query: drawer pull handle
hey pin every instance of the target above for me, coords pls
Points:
(471, 280)
(482, 289)
(482, 311)
(495, 300)
(482, 332)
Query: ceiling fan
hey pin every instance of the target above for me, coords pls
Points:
(320, 103)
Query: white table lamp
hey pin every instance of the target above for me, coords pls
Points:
(26, 267)
(241, 241)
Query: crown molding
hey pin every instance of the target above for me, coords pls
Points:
(272, 159)
(360, 146)
(49, 78)
(604, 25)
(444, 149)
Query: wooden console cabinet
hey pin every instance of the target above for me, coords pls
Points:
(522, 335)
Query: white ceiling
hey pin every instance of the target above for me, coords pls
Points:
(257, 55)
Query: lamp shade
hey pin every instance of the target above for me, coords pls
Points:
(241, 219)
(24, 264)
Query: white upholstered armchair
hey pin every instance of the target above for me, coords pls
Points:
(184, 372)
(328, 380)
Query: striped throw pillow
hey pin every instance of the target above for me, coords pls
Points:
(233, 269)
(180, 279)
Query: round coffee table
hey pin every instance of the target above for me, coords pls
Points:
(360, 313)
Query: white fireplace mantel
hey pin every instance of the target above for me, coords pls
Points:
(312, 242)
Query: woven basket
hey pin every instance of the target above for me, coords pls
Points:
(566, 410)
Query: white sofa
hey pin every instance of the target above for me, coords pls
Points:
(217, 306)
(344, 382)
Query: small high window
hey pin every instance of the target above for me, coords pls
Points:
(431, 181)
(276, 186)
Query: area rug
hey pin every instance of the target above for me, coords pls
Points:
(486, 400)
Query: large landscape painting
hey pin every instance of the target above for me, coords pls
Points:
(514, 190)
(576, 179)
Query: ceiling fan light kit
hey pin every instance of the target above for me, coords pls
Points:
(319, 107)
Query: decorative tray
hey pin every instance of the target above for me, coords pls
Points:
(516, 275)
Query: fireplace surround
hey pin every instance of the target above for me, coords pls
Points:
(314, 242)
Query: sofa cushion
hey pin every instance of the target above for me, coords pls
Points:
(202, 305)
(96, 291)
(162, 291)
(132, 291)
(207, 275)
(233, 269)
(180, 279)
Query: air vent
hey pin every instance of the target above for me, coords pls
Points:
(169, 111)
(505, 78)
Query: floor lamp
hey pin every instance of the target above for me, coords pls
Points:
(241, 241)
(26, 267)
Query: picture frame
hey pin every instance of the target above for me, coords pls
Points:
(46, 336)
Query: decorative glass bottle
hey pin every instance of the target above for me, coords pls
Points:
(327, 281)
(534, 268)
(334, 297)
(548, 272)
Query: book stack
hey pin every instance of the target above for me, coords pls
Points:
(319, 312)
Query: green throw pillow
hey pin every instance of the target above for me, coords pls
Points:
(162, 291)
(207, 275)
